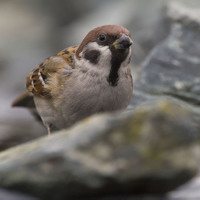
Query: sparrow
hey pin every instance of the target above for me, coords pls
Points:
(82, 80)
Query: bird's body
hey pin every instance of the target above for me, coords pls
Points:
(83, 80)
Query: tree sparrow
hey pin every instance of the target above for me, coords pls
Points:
(82, 80)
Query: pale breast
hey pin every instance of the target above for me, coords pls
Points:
(82, 96)
(91, 95)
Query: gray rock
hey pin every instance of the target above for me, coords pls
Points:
(9, 195)
(17, 126)
(134, 152)
(185, 12)
(189, 191)
(172, 68)
(72, 164)
(15, 132)
(140, 97)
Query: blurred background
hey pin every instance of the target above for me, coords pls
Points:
(31, 30)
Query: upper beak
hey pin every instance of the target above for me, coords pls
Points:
(123, 42)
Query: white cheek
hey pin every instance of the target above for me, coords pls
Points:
(125, 64)
(126, 61)
(104, 59)
(105, 54)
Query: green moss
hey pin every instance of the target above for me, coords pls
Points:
(132, 128)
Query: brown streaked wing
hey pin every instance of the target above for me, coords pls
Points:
(37, 79)
(35, 82)
(68, 55)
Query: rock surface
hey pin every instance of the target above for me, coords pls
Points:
(8, 195)
(132, 153)
(173, 67)
(151, 149)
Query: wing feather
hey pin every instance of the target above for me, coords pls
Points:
(39, 81)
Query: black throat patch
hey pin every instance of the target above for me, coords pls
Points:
(118, 56)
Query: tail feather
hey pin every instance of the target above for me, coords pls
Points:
(24, 100)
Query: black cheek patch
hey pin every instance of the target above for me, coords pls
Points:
(92, 56)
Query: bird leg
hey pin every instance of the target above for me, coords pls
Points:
(49, 129)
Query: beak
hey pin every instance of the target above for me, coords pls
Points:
(124, 42)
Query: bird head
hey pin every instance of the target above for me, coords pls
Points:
(107, 48)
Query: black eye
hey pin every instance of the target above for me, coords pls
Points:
(102, 37)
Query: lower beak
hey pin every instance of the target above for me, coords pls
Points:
(124, 42)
